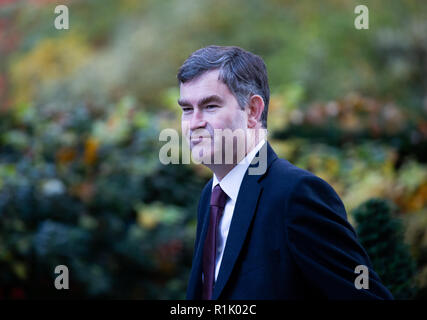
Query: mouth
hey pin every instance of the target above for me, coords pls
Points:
(196, 140)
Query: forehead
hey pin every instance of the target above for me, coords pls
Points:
(205, 85)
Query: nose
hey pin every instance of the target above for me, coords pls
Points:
(197, 120)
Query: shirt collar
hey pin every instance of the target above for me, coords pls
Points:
(230, 184)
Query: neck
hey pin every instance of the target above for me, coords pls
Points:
(221, 170)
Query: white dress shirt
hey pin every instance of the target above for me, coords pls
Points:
(230, 184)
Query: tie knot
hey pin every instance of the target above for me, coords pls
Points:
(218, 197)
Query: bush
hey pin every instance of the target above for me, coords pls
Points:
(381, 234)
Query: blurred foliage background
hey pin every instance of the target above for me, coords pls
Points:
(81, 110)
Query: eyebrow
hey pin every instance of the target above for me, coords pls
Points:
(203, 101)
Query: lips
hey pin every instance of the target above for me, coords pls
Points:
(196, 140)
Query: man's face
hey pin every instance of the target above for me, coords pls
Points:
(207, 104)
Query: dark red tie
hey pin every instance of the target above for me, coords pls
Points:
(217, 204)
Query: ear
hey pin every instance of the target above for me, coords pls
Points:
(255, 109)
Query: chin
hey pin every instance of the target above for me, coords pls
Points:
(202, 154)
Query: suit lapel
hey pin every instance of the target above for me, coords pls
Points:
(246, 204)
(243, 213)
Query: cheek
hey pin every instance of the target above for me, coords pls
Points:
(231, 120)
(238, 120)
(185, 127)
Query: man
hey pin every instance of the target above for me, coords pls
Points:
(281, 233)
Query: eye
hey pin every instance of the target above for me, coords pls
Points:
(186, 110)
(211, 106)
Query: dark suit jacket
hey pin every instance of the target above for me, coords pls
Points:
(289, 238)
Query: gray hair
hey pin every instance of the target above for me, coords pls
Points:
(244, 73)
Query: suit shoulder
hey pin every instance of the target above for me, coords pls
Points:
(282, 172)
(284, 179)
